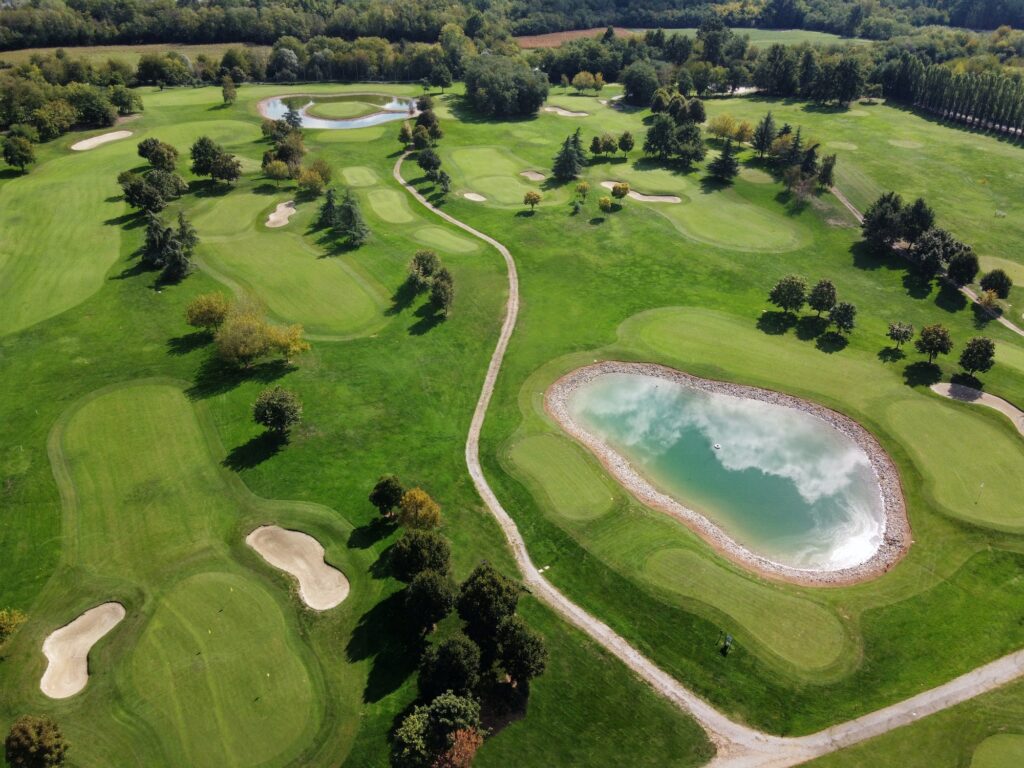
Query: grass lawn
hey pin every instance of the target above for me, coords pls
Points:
(131, 53)
(343, 110)
(156, 442)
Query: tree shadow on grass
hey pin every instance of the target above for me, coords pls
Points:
(368, 534)
(429, 319)
(810, 327)
(868, 258)
(596, 220)
(775, 323)
(917, 285)
(922, 374)
(209, 188)
(215, 377)
(501, 705)
(966, 380)
(950, 299)
(525, 214)
(831, 342)
(383, 635)
(402, 298)
(130, 220)
(189, 342)
(982, 317)
(254, 452)
(891, 355)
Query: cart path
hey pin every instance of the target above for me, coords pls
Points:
(739, 746)
(967, 394)
(970, 294)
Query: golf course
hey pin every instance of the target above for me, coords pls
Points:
(252, 609)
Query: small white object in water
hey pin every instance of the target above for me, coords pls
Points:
(718, 446)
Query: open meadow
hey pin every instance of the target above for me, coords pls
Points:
(133, 470)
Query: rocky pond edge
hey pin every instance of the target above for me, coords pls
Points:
(896, 538)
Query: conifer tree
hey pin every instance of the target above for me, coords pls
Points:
(725, 166)
(764, 135)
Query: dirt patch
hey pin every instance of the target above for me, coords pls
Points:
(894, 544)
(96, 141)
(971, 395)
(645, 198)
(280, 215)
(555, 39)
(533, 175)
(321, 586)
(67, 650)
(565, 112)
(476, 198)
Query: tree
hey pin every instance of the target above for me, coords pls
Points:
(226, 167)
(504, 86)
(277, 170)
(567, 163)
(421, 137)
(583, 81)
(933, 341)
(744, 132)
(640, 81)
(204, 153)
(310, 183)
(582, 190)
(277, 409)
(626, 143)
(428, 731)
(883, 221)
(822, 297)
(453, 665)
(722, 126)
(35, 741)
(604, 203)
(349, 222)
(900, 333)
(228, 91)
(18, 152)
(441, 76)
(842, 316)
(418, 510)
(243, 338)
(387, 494)
(418, 551)
(429, 597)
(10, 620)
(444, 183)
(521, 651)
(424, 265)
(725, 166)
(596, 148)
(764, 135)
(405, 135)
(486, 597)
(207, 311)
(464, 745)
(661, 140)
(963, 267)
(328, 215)
(430, 162)
(442, 291)
(620, 190)
(918, 218)
(532, 198)
(978, 355)
(293, 118)
(826, 172)
(997, 281)
(789, 293)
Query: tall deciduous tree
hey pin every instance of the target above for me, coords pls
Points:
(429, 597)
(486, 597)
(933, 341)
(387, 494)
(822, 296)
(521, 651)
(278, 409)
(418, 551)
(453, 665)
(789, 294)
(900, 333)
(843, 316)
(997, 281)
(978, 355)
(35, 741)
(418, 510)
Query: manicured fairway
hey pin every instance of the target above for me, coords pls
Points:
(390, 206)
(493, 173)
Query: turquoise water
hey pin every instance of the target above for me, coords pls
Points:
(392, 108)
(783, 483)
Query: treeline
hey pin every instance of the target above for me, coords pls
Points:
(994, 102)
(46, 110)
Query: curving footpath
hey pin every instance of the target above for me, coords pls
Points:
(739, 746)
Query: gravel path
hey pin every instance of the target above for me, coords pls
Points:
(739, 746)
(971, 395)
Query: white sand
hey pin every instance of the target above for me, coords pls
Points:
(971, 395)
(67, 650)
(281, 214)
(533, 175)
(645, 198)
(565, 112)
(474, 197)
(321, 586)
(96, 141)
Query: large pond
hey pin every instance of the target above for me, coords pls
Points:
(783, 483)
(381, 108)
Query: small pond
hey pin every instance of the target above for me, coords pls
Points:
(381, 107)
(783, 483)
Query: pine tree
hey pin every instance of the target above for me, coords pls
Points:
(725, 166)
(567, 165)
(328, 211)
(577, 148)
(349, 221)
(764, 135)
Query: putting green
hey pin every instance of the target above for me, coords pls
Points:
(443, 240)
(801, 632)
(493, 173)
(215, 668)
(1004, 750)
(343, 110)
(360, 176)
(973, 484)
(576, 491)
(390, 205)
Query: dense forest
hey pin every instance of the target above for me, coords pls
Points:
(33, 23)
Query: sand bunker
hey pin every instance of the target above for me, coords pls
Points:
(321, 586)
(565, 112)
(96, 141)
(645, 198)
(281, 214)
(971, 395)
(533, 175)
(474, 197)
(67, 650)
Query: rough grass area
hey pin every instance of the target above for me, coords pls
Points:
(131, 53)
